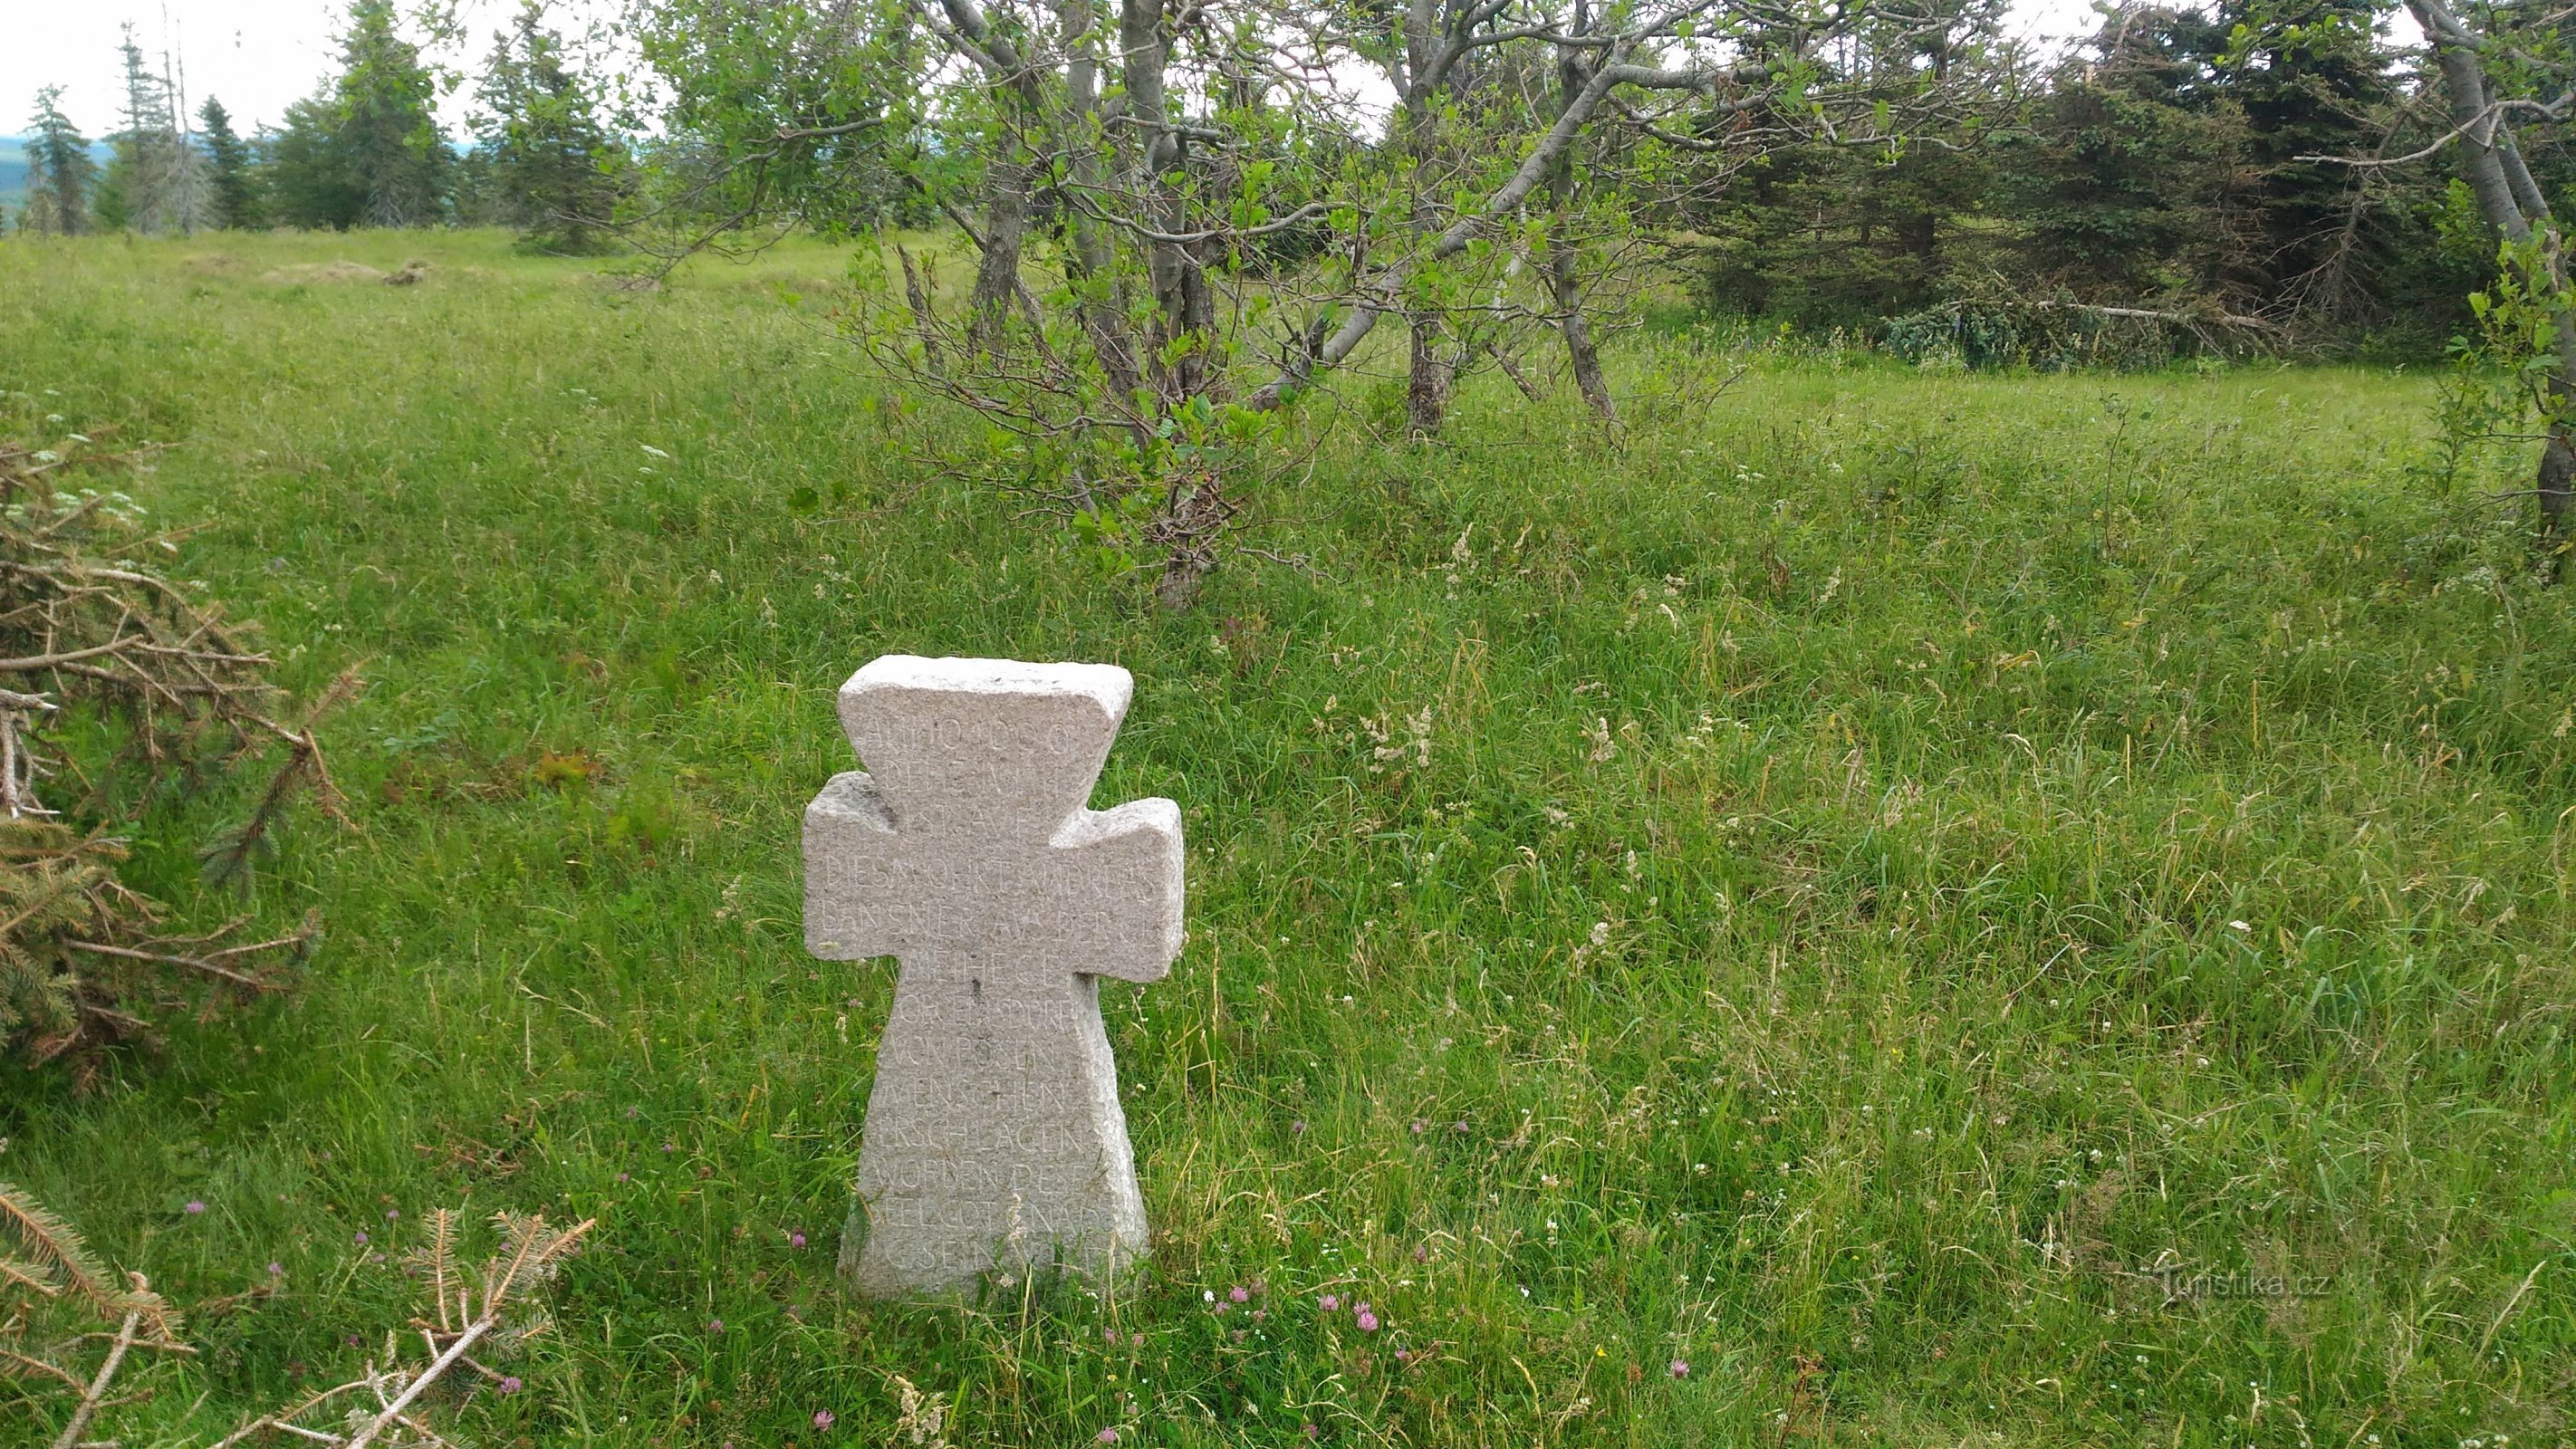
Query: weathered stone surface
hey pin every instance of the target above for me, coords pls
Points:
(994, 1136)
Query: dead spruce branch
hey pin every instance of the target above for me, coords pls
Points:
(51, 1285)
(495, 1305)
(87, 632)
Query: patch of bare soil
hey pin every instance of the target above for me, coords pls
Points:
(345, 270)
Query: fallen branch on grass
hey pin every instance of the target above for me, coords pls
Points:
(86, 632)
(43, 1259)
(499, 1306)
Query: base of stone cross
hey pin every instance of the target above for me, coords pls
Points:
(994, 1144)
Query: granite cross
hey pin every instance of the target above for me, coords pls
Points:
(994, 1137)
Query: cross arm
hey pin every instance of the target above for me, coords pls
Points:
(849, 856)
(1130, 857)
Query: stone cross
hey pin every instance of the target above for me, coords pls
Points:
(994, 1137)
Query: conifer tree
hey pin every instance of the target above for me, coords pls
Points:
(59, 170)
(232, 182)
(552, 166)
(367, 151)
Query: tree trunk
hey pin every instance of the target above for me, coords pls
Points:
(1564, 259)
(2491, 164)
(1185, 309)
(1089, 259)
(1579, 351)
(1426, 392)
(1006, 227)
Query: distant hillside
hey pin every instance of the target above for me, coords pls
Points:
(13, 172)
(13, 169)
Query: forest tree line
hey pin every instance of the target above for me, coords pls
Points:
(366, 150)
(1182, 215)
(2166, 163)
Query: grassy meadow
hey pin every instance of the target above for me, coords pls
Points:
(1878, 906)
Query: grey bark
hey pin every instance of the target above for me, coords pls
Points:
(1371, 306)
(1185, 305)
(1006, 229)
(1089, 259)
(1564, 274)
(1428, 374)
(2492, 166)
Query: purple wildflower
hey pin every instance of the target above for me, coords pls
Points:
(823, 1418)
(1239, 1294)
(1680, 1368)
(1330, 1302)
(277, 1270)
(392, 1214)
(361, 1239)
(1368, 1321)
(1106, 1436)
(795, 1240)
(510, 1384)
(715, 1325)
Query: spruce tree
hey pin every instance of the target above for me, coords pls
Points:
(2313, 82)
(367, 151)
(388, 130)
(231, 179)
(59, 170)
(552, 166)
(2129, 181)
(309, 182)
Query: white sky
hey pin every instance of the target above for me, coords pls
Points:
(260, 55)
(257, 56)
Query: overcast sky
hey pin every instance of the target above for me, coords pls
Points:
(258, 56)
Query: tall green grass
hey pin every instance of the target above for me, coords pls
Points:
(1916, 896)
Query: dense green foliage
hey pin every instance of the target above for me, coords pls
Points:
(367, 151)
(237, 191)
(1863, 887)
(552, 170)
(2170, 162)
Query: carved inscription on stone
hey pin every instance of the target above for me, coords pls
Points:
(965, 850)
